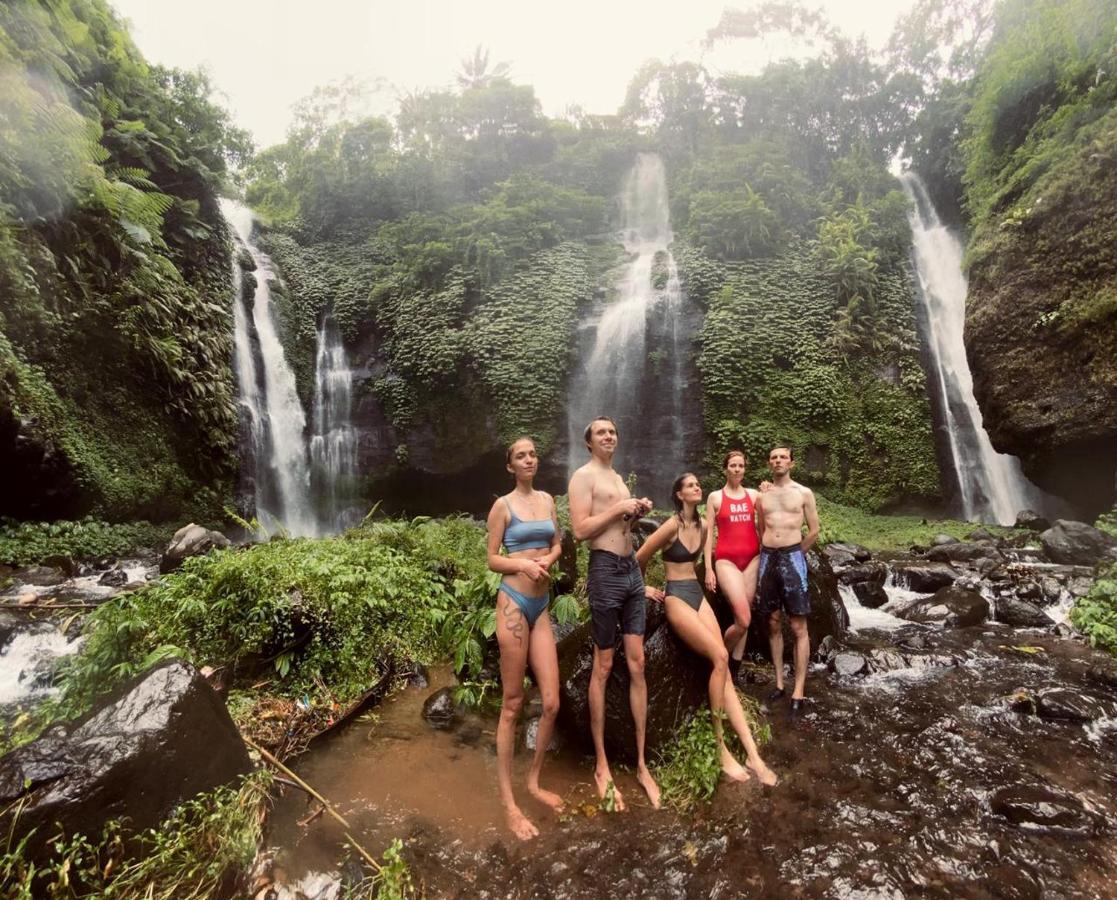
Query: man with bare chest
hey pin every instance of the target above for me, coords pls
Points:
(602, 512)
(782, 585)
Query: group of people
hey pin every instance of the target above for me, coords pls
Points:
(753, 547)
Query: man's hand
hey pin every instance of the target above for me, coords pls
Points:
(654, 594)
(765, 486)
(631, 508)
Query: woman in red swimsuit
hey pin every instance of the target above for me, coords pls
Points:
(733, 551)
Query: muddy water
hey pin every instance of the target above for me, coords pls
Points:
(923, 781)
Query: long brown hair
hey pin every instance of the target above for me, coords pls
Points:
(675, 488)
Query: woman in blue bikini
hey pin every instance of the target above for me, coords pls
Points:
(524, 522)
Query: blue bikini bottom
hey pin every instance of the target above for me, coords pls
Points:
(531, 607)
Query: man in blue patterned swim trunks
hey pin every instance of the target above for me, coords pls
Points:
(782, 585)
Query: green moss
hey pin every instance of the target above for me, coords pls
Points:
(888, 532)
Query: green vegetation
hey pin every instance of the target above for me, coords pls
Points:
(689, 768)
(199, 852)
(1095, 615)
(111, 250)
(27, 543)
(888, 532)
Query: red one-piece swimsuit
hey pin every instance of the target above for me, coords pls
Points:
(736, 540)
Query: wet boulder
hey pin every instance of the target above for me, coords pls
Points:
(1031, 520)
(1076, 543)
(1071, 706)
(10, 623)
(982, 534)
(925, 578)
(870, 594)
(941, 540)
(190, 540)
(859, 553)
(677, 680)
(867, 572)
(963, 551)
(40, 576)
(440, 709)
(1040, 808)
(951, 607)
(848, 663)
(1021, 613)
(567, 564)
(114, 578)
(162, 738)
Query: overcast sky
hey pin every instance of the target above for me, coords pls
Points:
(264, 55)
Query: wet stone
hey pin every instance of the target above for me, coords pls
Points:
(870, 594)
(1021, 613)
(1077, 543)
(1029, 591)
(982, 534)
(40, 576)
(1071, 706)
(439, 710)
(418, 677)
(962, 552)
(848, 664)
(1039, 808)
(1051, 588)
(1031, 520)
(114, 578)
(874, 572)
(926, 578)
(531, 734)
(941, 540)
(951, 607)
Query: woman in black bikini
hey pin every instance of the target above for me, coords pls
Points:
(681, 538)
(523, 522)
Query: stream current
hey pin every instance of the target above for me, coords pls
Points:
(921, 781)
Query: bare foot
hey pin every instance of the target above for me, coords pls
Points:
(733, 769)
(606, 786)
(766, 775)
(644, 777)
(552, 799)
(520, 824)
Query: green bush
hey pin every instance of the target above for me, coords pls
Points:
(1095, 615)
(26, 543)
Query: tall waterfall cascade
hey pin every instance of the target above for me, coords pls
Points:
(635, 351)
(333, 441)
(276, 427)
(991, 485)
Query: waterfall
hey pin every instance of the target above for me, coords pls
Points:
(333, 443)
(635, 359)
(991, 485)
(276, 421)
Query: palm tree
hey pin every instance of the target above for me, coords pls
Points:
(475, 73)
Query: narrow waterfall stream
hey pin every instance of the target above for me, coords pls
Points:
(333, 442)
(277, 423)
(636, 353)
(991, 485)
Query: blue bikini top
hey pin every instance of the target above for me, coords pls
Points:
(527, 534)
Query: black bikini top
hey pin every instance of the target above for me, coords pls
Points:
(678, 553)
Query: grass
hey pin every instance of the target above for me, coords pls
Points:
(883, 532)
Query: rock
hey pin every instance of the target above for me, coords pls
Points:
(941, 540)
(925, 578)
(839, 559)
(418, 677)
(859, 553)
(1021, 613)
(982, 534)
(440, 709)
(951, 607)
(1051, 588)
(959, 551)
(1076, 543)
(10, 623)
(677, 680)
(114, 578)
(870, 594)
(1039, 808)
(848, 664)
(1031, 520)
(567, 564)
(161, 739)
(190, 540)
(531, 732)
(61, 561)
(1029, 590)
(875, 572)
(1071, 706)
(40, 576)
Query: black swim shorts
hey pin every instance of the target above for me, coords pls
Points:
(616, 593)
(782, 581)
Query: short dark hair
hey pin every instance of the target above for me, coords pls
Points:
(589, 428)
(785, 446)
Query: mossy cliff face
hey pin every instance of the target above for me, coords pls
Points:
(1041, 324)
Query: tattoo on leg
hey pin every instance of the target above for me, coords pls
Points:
(514, 618)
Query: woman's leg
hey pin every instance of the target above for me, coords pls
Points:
(736, 713)
(735, 585)
(695, 634)
(544, 663)
(513, 636)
